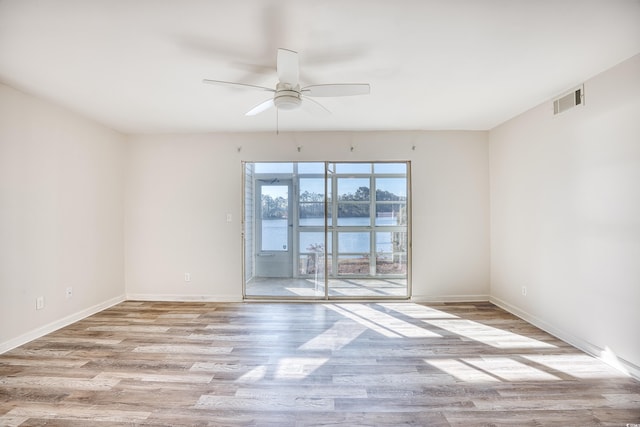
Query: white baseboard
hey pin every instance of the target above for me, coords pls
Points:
(449, 298)
(182, 298)
(618, 363)
(61, 323)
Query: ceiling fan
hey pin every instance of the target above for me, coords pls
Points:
(288, 95)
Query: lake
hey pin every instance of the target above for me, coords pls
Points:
(274, 235)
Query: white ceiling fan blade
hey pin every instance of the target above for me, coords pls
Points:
(288, 67)
(263, 106)
(237, 85)
(338, 89)
(312, 106)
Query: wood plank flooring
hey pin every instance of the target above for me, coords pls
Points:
(274, 364)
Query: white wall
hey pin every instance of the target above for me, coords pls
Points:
(565, 216)
(61, 217)
(180, 188)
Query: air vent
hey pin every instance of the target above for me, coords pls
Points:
(568, 101)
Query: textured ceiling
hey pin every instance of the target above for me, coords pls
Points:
(137, 66)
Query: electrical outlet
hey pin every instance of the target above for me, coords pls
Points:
(69, 292)
(39, 303)
(187, 277)
(524, 291)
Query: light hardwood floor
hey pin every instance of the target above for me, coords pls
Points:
(276, 364)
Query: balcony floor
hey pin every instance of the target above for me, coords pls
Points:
(338, 288)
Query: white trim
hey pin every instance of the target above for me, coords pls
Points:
(61, 323)
(612, 360)
(182, 298)
(449, 298)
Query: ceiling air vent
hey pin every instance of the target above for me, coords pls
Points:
(570, 100)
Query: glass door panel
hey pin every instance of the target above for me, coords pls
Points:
(371, 232)
(274, 257)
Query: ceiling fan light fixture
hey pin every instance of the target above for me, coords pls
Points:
(287, 100)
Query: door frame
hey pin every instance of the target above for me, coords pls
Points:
(252, 180)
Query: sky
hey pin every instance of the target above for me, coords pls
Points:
(346, 184)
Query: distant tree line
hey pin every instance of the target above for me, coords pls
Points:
(362, 195)
(274, 208)
(311, 205)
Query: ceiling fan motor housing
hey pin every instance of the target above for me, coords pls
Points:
(286, 97)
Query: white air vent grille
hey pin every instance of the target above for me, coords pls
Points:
(570, 100)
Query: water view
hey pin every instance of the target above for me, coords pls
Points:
(274, 235)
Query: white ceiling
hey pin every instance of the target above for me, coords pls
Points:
(137, 65)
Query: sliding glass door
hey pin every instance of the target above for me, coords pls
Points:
(326, 230)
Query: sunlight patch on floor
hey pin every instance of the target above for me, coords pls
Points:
(364, 322)
(381, 322)
(576, 365)
(417, 311)
(336, 337)
(296, 368)
(461, 370)
(489, 335)
(256, 374)
(508, 369)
